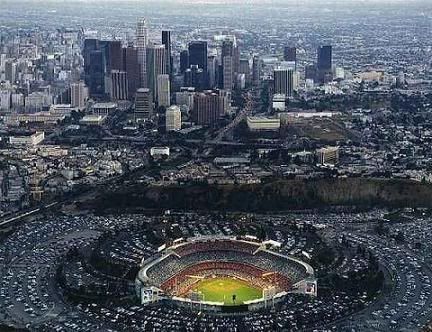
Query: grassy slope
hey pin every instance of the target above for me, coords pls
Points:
(275, 196)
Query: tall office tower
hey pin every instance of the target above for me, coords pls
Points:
(212, 65)
(256, 70)
(5, 100)
(89, 46)
(166, 41)
(141, 44)
(143, 105)
(324, 58)
(2, 61)
(208, 106)
(119, 85)
(115, 55)
(290, 54)
(228, 72)
(284, 81)
(11, 70)
(97, 74)
(198, 56)
(173, 118)
(79, 95)
(131, 67)
(310, 72)
(184, 61)
(163, 88)
(156, 65)
(227, 64)
(324, 64)
(246, 70)
(194, 77)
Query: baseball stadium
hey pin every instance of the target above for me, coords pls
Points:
(222, 275)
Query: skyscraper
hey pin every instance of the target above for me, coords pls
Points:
(78, 95)
(284, 81)
(173, 118)
(143, 105)
(194, 77)
(246, 70)
(89, 46)
(163, 89)
(156, 65)
(166, 41)
(198, 56)
(290, 54)
(184, 61)
(228, 72)
(10, 71)
(208, 106)
(96, 75)
(228, 64)
(115, 55)
(131, 67)
(212, 65)
(256, 70)
(141, 44)
(324, 64)
(324, 61)
(119, 85)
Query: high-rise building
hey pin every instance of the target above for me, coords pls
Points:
(79, 95)
(173, 118)
(119, 85)
(166, 41)
(143, 104)
(163, 90)
(10, 71)
(228, 72)
(256, 70)
(324, 64)
(194, 77)
(284, 81)
(212, 66)
(131, 67)
(185, 97)
(198, 56)
(141, 44)
(184, 61)
(156, 65)
(228, 47)
(208, 106)
(246, 70)
(89, 46)
(115, 55)
(5, 100)
(324, 58)
(96, 75)
(290, 54)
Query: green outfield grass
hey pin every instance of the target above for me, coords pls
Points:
(223, 289)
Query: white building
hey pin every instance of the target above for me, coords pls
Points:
(159, 151)
(258, 123)
(33, 139)
(328, 155)
(279, 102)
(104, 108)
(173, 118)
